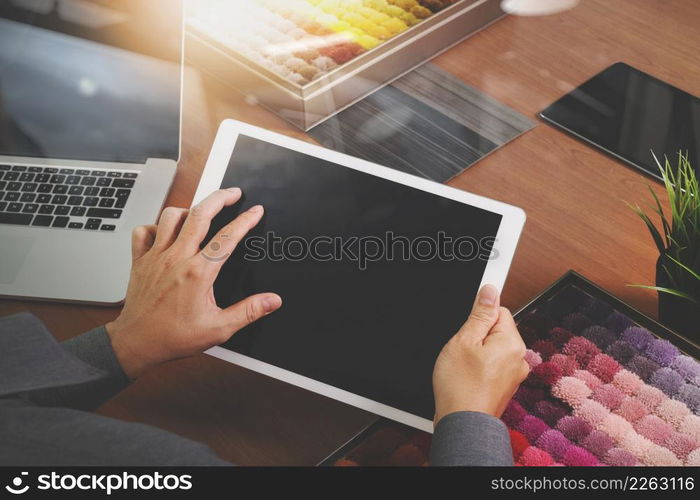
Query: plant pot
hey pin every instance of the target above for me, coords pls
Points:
(679, 314)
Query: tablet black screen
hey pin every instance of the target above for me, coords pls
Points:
(372, 328)
(629, 113)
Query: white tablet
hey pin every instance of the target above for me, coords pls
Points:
(376, 268)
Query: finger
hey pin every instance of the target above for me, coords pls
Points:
(142, 238)
(196, 225)
(169, 225)
(249, 310)
(222, 245)
(483, 316)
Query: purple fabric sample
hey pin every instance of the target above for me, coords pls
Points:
(686, 367)
(667, 380)
(574, 428)
(690, 395)
(532, 427)
(554, 443)
(560, 336)
(638, 337)
(642, 367)
(617, 457)
(599, 335)
(661, 351)
(596, 309)
(528, 395)
(581, 349)
(618, 322)
(576, 322)
(598, 443)
(622, 351)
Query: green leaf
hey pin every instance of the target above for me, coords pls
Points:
(670, 291)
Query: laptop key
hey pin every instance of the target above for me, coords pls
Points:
(26, 177)
(14, 207)
(14, 186)
(46, 209)
(75, 200)
(51, 170)
(78, 211)
(93, 224)
(91, 201)
(92, 191)
(104, 213)
(66, 171)
(44, 188)
(35, 169)
(27, 197)
(123, 183)
(59, 199)
(3, 206)
(88, 181)
(57, 179)
(98, 173)
(75, 225)
(11, 176)
(16, 219)
(3, 185)
(75, 190)
(43, 198)
(30, 208)
(107, 192)
(42, 178)
(60, 222)
(19, 168)
(123, 193)
(82, 172)
(114, 174)
(121, 203)
(107, 202)
(11, 196)
(42, 220)
(108, 227)
(29, 187)
(60, 189)
(62, 210)
(104, 181)
(130, 175)
(4, 167)
(72, 180)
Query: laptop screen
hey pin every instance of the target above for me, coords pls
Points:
(94, 80)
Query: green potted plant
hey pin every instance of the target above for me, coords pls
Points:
(678, 242)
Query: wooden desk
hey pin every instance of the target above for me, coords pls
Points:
(574, 197)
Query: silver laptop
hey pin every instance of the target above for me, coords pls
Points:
(90, 118)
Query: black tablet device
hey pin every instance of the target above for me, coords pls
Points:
(376, 268)
(629, 114)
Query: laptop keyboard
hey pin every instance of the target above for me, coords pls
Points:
(66, 198)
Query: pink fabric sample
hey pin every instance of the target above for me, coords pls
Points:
(672, 411)
(620, 458)
(567, 364)
(631, 409)
(691, 426)
(532, 427)
(582, 349)
(609, 396)
(616, 427)
(591, 380)
(554, 443)
(604, 367)
(650, 396)
(592, 412)
(654, 429)
(578, 457)
(681, 444)
(574, 428)
(535, 457)
(571, 390)
(532, 358)
(598, 443)
(627, 382)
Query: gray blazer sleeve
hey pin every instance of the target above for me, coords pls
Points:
(95, 349)
(470, 438)
(81, 373)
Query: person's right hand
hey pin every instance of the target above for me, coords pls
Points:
(481, 367)
(170, 311)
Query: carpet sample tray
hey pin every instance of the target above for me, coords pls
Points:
(307, 59)
(608, 386)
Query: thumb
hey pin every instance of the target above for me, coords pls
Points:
(249, 310)
(484, 314)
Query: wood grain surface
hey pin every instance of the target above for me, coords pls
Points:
(573, 194)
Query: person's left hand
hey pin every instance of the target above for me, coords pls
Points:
(170, 311)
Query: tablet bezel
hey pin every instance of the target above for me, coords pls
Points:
(513, 220)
